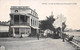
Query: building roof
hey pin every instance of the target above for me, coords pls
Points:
(4, 23)
(19, 7)
(24, 8)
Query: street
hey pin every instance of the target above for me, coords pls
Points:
(42, 44)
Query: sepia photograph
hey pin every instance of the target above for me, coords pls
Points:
(39, 25)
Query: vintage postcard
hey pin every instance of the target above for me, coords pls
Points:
(39, 25)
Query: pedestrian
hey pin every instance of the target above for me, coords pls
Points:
(71, 38)
(21, 35)
(63, 37)
(38, 36)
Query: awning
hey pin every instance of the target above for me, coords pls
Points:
(34, 27)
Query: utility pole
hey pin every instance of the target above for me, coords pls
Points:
(61, 25)
(62, 21)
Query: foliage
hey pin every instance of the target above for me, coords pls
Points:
(47, 24)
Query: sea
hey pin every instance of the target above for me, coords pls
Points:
(75, 34)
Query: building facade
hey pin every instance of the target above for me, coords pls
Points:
(24, 21)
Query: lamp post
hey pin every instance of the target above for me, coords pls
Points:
(63, 20)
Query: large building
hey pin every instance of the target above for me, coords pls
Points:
(24, 21)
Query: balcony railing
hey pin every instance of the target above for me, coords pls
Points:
(20, 23)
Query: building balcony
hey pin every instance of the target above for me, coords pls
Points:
(20, 23)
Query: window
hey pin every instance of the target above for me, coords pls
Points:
(22, 30)
(16, 30)
(16, 19)
(31, 21)
(31, 12)
(35, 22)
(22, 19)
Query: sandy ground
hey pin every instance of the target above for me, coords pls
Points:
(42, 44)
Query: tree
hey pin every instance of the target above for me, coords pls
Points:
(47, 24)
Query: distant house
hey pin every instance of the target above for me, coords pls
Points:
(24, 21)
(4, 29)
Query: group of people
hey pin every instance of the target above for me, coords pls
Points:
(69, 38)
(63, 36)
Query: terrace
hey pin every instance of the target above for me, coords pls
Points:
(19, 20)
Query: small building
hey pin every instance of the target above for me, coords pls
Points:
(23, 21)
(4, 29)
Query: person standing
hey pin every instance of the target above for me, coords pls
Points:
(63, 37)
(38, 36)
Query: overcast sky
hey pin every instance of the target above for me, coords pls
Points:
(69, 8)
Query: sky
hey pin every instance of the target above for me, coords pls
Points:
(69, 8)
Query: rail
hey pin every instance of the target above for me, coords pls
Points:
(19, 23)
(75, 43)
